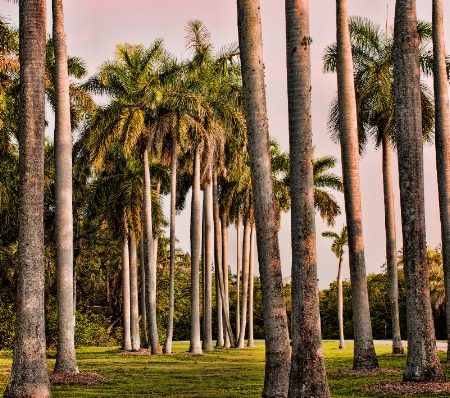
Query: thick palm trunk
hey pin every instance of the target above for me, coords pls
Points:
(308, 377)
(364, 352)
(207, 266)
(238, 279)
(340, 300)
(173, 190)
(143, 302)
(391, 246)
(65, 354)
(225, 290)
(442, 146)
(276, 379)
(245, 271)
(422, 362)
(29, 377)
(251, 341)
(218, 262)
(134, 301)
(195, 232)
(126, 343)
(150, 269)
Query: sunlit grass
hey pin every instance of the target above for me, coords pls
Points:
(221, 373)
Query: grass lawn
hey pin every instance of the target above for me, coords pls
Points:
(221, 373)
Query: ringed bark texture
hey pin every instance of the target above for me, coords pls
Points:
(422, 362)
(308, 377)
(29, 377)
(276, 379)
(442, 134)
(364, 351)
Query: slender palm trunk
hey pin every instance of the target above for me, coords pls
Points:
(442, 146)
(143, 302)
(278, 356)
(65, 355)
(391, 246)
(207, 266)
(29, 375)
(364, 351)
(308, 377)
(238, 279)
(218, 261)
(126, 343)
(245, 272)
(422, 363)
(173, 189)
(150, 270)
(134, 301)
(195, 231)
(224, 291)
(251, 341)
(340, 300)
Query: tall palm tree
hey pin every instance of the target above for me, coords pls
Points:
(364, 351)
(442, 134)
(422, 362)
(308, 376)
(276, 380)
(29, 369)
(372, 51)
(337, 247)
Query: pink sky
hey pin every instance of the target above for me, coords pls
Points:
(95, 27)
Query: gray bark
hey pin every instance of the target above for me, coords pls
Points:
(245, 271)
(29, 377)
(195, 232)
(251, 341)
(134, 301)
(126, 343)
(442, 134)
(65, 355)
(143, 305)
(225, 297)
(391, 246)
(276, 378)
(340, 300)
(308, 377)
(364, 352)
(238, 278)
(422, 363)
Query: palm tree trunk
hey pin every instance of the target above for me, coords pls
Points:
(126, 344)
(173, 189)
(207, 266)
(422, 362)
(251, 341)
(144, 339)
(238, 279)
(308, 377)
(340, 299)
(442, 119)
(218, 261)
(195, 232)
(364, 352)
(134, 302)
(65, 355)
(150, 270)
(29, 369)
(224, 291)
(245, 271)
(391, 246)
(278, 356)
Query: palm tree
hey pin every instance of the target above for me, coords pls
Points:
(308, 376)
(337, 247)
(276, 380)
(364, 352)
(372, 51)
(29, 369)
(422, 362)
(442, 133)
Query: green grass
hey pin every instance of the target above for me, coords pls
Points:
(221, 373)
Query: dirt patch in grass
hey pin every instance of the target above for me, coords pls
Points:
(79, 379)
(142, 351)
(383, 388)
(372, 372)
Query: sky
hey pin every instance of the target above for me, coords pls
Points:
(94, 27)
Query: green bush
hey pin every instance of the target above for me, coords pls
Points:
(91, 329)
(7, 324)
